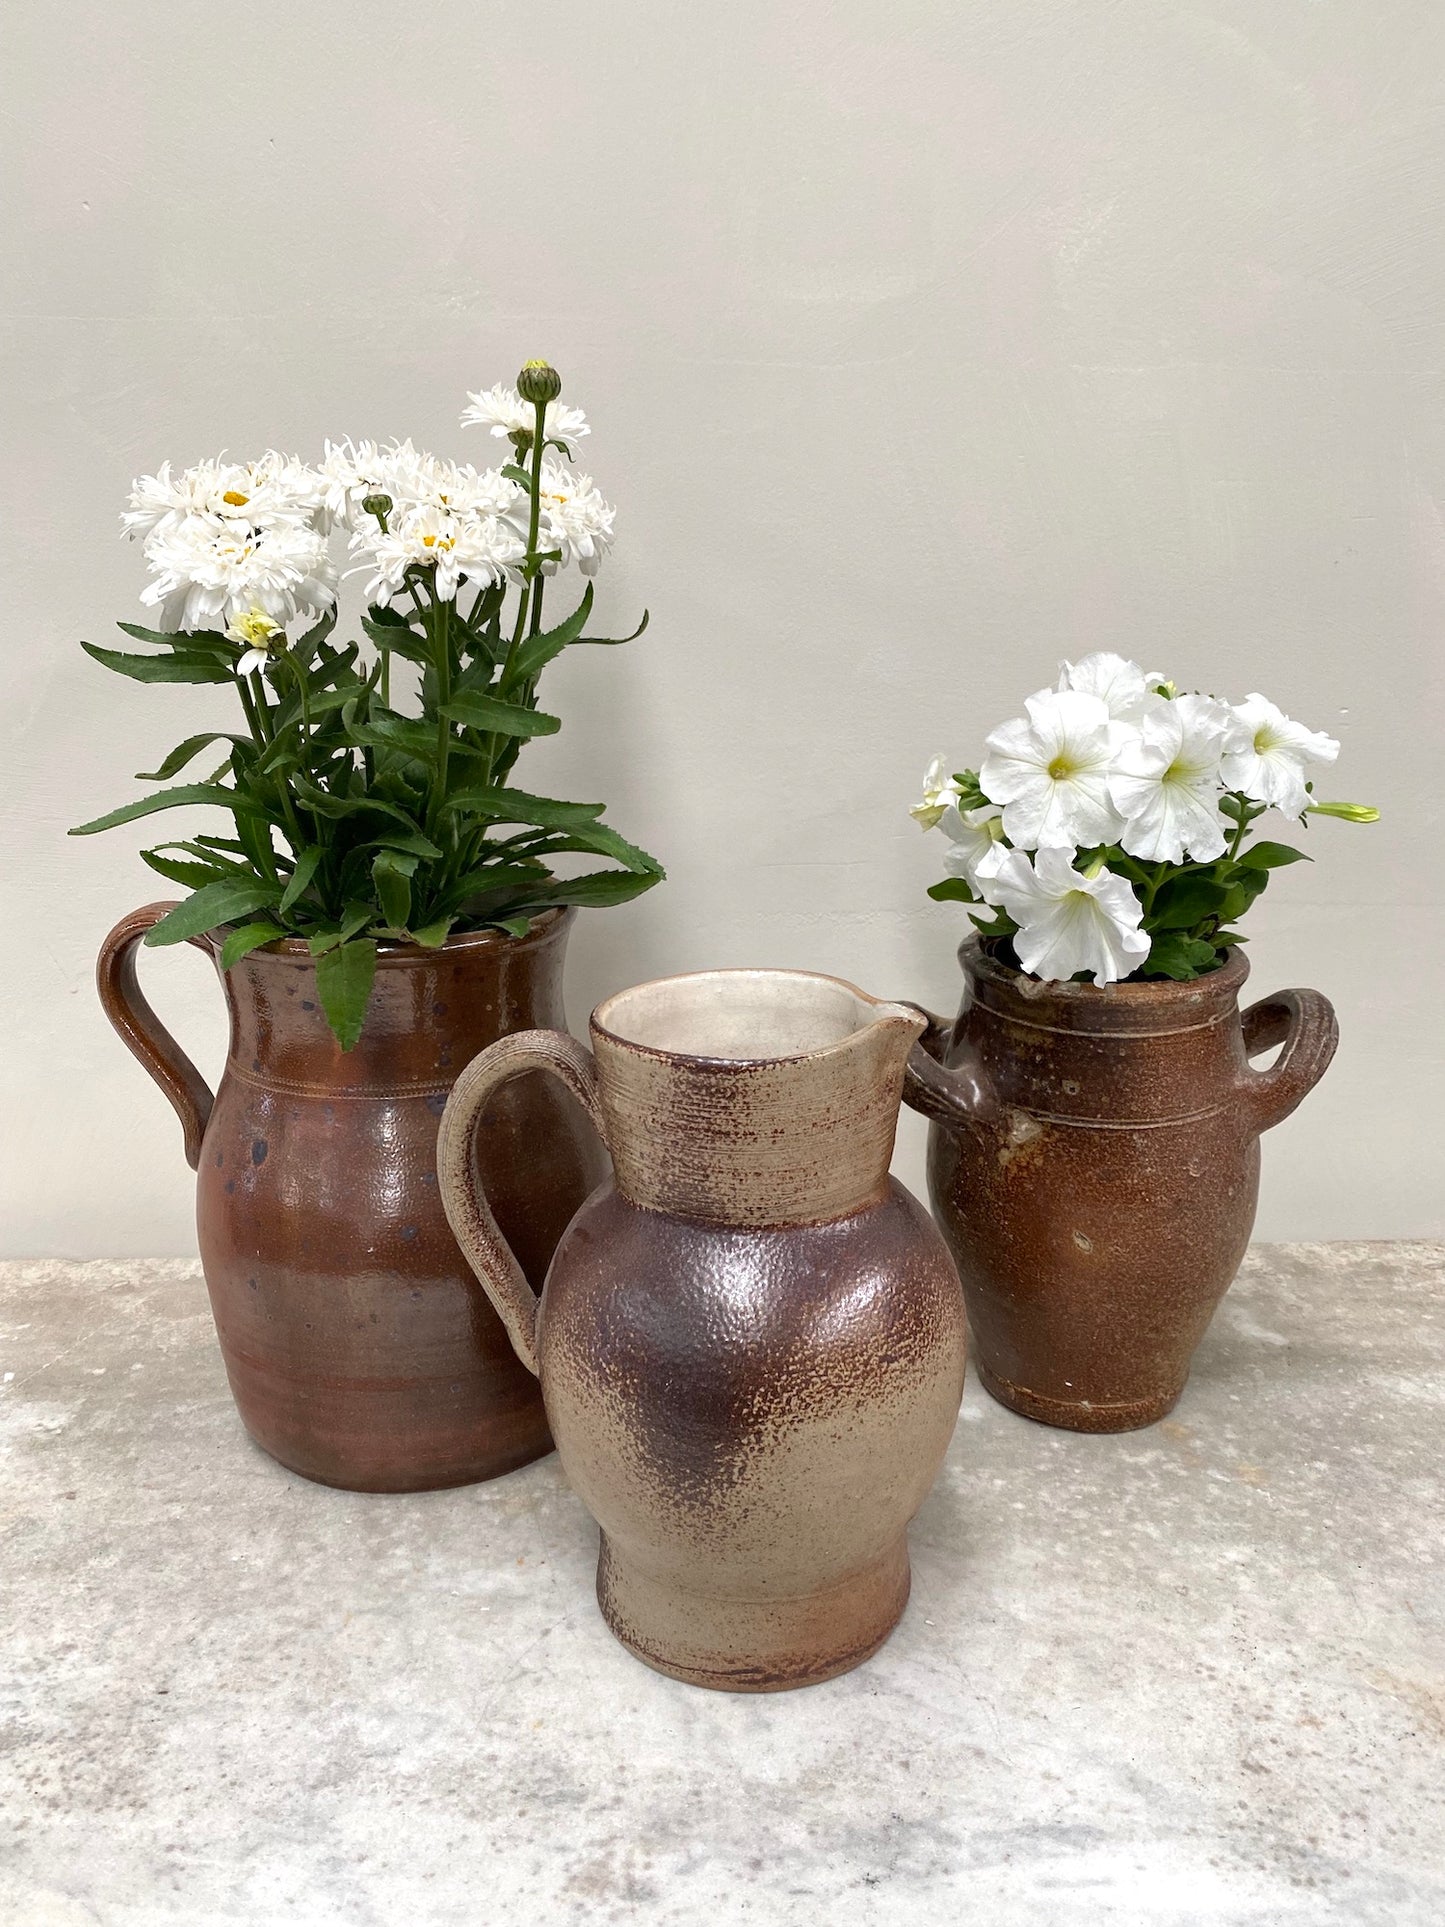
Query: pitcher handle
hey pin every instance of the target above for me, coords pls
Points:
(143, 1033)
(468, 1213)
(958, 1093)
(1304, 1022)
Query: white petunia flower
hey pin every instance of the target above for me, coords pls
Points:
(503, 411)
(1069, 923)
(1269, 763)
(976, 849)
(210, 570)
(1122, 686)
(940, 792)
(1166, 782)
(575, 519)
(256, 629)
(1050, 770)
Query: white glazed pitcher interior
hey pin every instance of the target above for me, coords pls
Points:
(744, 1016)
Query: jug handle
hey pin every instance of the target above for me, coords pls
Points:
(958, 1093)
(1304, 1022)
(468, 1213)
(143, 1033)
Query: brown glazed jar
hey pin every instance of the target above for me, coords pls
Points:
(1094, 1165)
(751, 1342)
(359, 1348)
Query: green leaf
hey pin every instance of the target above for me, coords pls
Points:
(397, 635)
(1270, 856)
(514, 926)
(475, 711)
(413, 842)
(250, 936)
(191, 876)
(599, 839)
(1172, 954)
(325, 804)
(307, 862)
(179, 666)
(344, 978)
(537, 651)
(199, 639)
(355, 917)
(182, 754)
(213, 904)
(599, 888)
(433, 935)
(406, 734)
(952, 890)
(1186, 901)
(516, 806)
(391, 873)
(175, 799)
(615, 642)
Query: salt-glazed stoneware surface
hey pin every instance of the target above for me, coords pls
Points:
(751, 1341)
(359, 1349)
(1094, 1164)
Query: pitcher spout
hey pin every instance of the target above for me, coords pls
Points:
(752, 1097)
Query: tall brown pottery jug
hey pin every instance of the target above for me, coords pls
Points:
(751, 1342)
(1094, 1164)
(358, 1346)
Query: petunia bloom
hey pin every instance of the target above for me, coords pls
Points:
(1068, 922)
(1166, 784)
(1270, 763)
(1050, 770)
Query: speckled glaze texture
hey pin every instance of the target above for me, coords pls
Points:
(359, 1348)
(751, 1344)
(1094, 1165)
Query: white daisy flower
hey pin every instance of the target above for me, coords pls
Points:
(256, 629)
(1050, 770)
(479, 548)
(1166, 782)
(277, 488)
(976, 849)
(211, 571)
(1269, 762)
(575, 519)
(940, 791)
(1067, 922)
(1122, 686)
(503, 411)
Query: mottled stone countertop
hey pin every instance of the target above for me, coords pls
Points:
(1189, 1675)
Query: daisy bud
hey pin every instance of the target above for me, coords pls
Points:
(379, 506)
(1347, 812)
(539, 382)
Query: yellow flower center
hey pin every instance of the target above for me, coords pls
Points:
(1264, 740)
(1062, 768)
(438, 542)
(236, 499)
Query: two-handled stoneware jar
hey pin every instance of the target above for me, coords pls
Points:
(359, 1349)
(751, 1341)
(1094, 1165)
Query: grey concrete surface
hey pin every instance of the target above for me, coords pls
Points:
(1191, 1675)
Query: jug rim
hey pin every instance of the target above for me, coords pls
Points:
(881, 1008)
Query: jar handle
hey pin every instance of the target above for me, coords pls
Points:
(143, 1032)
(954, 1094)
(1304, 1022)
(464, 1201)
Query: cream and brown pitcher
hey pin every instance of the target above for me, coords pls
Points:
(751, 1341)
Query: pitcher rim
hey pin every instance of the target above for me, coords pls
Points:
(977, 962)
(882, 1005)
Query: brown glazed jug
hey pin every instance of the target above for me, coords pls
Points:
(359, 1348)
(1094, 1165)
(751, 1341)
